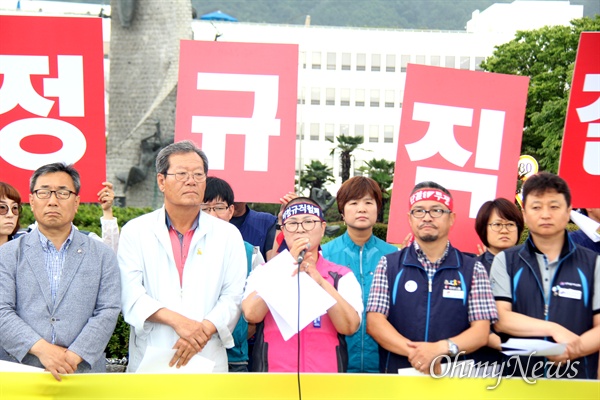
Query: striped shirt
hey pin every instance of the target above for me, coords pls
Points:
(54, 260)
(481, 303)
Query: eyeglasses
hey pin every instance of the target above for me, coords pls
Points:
(307, 225)
(217, 209)
(15, 209)
(61, 194)
(184, 176)
(497, 226)
(434, 212)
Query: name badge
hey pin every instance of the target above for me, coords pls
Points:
(317, 323)
(570, 293)
(453, 294)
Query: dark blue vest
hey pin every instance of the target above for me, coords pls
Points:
(426, 311)
(575, 271)
(255, 228)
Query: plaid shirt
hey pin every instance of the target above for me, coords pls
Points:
(54, 261)
(481, 304)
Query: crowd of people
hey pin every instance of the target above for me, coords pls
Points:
(188, 277)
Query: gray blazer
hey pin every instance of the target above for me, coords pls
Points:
(87, 303)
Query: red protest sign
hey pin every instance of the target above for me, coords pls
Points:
(461, 129)
(237, 101)
(580, 153)
(52, 99)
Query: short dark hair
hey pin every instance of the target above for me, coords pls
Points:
(543, 182)
(53, 168)
(506, 209)
(217, 188)
(9, 192)
(356, 188)
(430, 185)
(183, 147)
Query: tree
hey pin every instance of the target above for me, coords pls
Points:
(382, 172)
(346, 145)
(547, 56)
(316, 175)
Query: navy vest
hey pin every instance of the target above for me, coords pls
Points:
(575, 273)
(426, 311)
(255, 228)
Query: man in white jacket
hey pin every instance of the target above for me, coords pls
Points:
(182, 271)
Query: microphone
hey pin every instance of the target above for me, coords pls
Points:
(301, 257)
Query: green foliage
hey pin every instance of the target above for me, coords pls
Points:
(270, 208)
(346, 146)
(118, 345)
(316, 175)
(547, 56)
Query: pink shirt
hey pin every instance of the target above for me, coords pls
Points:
(181, 245)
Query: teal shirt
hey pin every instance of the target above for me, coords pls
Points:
(363, 351)
(239, 352)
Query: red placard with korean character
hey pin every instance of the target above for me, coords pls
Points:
(461, 129)
(237, 101)
(52, 99)
(580, 153)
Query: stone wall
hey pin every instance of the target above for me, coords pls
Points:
(144, 63)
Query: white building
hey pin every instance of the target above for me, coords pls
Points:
(351, 80)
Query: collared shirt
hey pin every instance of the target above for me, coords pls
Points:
(180, 243)
(481, 303)
(54, 260)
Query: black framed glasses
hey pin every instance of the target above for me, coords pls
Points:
(15, 209)
(497, 226)
(307, 225)
(434, 212)
(61, 194)
(217, 209)
(184, 176)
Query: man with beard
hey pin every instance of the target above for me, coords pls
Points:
(429, 300)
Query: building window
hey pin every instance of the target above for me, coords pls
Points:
(388, 134)
(299, 131)
(390, 63)
(315, 96)
(330, 97)
(329, 132)
(359, 131)
(420, 59)
(374, 98)
(316, 60)
(450, 62)
(376, 62)
(301, 99)
(374, 134)
(478, 61)
(435, 61)
(344, 129)
(314, 131)
(465, 62)
(345, 97)
(302, 59)
(359, 98)
(346, 61)
(389, 98)
(404, 60)
(330, 60)
(361, 61)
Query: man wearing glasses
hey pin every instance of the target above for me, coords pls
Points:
(183, 271)
(429, 300)
(59, 289)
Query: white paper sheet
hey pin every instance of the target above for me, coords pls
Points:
(156, 361)
(7, 366)
(524, 347)
(587, 225)
(279, 289)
